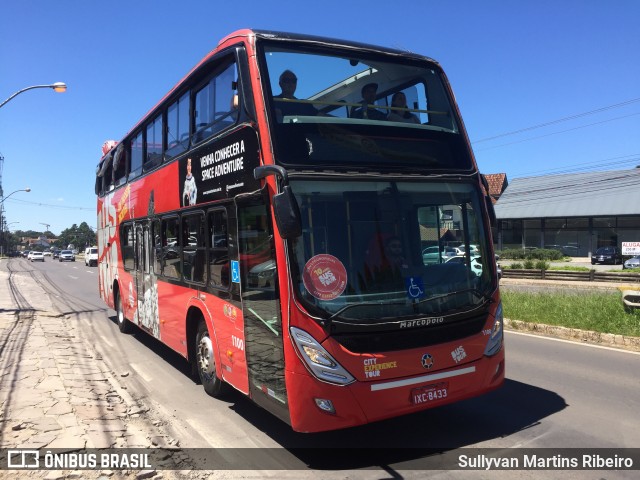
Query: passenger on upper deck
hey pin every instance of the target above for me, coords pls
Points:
(368, 98)
(288, 83)
(399, 100)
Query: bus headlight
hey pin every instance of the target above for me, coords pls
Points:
(496, 336)
(320, 362)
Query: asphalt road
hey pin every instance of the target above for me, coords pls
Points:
(557, 394)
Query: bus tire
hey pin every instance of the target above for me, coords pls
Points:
(205, 362)
(123, 324)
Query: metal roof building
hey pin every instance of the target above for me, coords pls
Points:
(576, 213)
(572, 195)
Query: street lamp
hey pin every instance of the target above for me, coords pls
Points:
(57, 87)
(16, 191)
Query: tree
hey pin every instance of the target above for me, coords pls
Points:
(79, 236)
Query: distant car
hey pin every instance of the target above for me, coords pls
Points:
(91, 257)
(476, 266)
(605, 255)
(263, 275)
(47, 253)
(633, 262)
(66, 256)
(36, 257)
(435, 254)
(29, 254)
(56, 253)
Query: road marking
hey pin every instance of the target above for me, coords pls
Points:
(573, 342)
(75, 278)
(141, 373)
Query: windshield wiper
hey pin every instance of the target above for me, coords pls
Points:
(365, 304)
(477, 293)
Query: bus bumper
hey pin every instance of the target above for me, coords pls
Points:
(365, 402)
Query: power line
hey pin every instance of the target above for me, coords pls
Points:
(554, 133)
(564, 119)
(62, 207)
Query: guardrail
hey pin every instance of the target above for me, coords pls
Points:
(590, 276)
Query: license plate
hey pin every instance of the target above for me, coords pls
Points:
(429, 393)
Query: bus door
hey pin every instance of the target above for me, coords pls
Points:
(261, 309)
(146, 315)
(228, 319)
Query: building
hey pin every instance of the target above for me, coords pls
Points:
(576, 213)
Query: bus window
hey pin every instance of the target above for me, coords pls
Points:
(153, 144)
(193, 248)
(178, 126)
(170, 248)
(218, 249)
(216, 105)
(157, 246)
(120, 165)
(136, 156)
(127, 245)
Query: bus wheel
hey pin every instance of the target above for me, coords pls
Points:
(206, 362)
(123, 324)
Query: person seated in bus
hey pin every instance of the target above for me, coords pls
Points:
(384, 263)
(288, 83)
(368, 99)
(399, 100)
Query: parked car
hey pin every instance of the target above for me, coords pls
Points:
(47, 253)
(91, 256)
(36, 257)
(66, 256)
(633, 262)
(435, 254)
(609, 254)
(263, 275)
(476, 266)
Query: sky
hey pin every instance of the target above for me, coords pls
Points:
(544, 86)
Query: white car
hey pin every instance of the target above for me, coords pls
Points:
(91, 256)
(36, 257)
(476, 266)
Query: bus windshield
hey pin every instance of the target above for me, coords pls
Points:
(352, 109)
(372, 251)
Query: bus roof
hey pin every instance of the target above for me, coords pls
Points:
(273, 36)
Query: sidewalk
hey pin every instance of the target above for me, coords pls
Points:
(55, 393)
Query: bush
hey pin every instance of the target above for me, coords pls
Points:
(542, 265)
(538, 254)
(516, 266)
(528, 264)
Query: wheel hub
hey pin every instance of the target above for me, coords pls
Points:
(205, 356)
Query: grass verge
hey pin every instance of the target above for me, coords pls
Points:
(599, 312)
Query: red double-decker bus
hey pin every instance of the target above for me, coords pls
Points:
(303, 220)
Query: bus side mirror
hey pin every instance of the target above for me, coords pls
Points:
(285, 205)
(287, 213)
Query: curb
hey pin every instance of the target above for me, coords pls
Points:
(621, 342)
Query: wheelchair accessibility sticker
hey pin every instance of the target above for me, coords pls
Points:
(235, 271)
(414, 287)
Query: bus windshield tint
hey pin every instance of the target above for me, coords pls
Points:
(380, 250)
(334, 109)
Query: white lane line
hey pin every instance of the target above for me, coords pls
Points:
(75, 278)
(573, 342)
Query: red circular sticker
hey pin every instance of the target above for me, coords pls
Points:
(325, 277)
